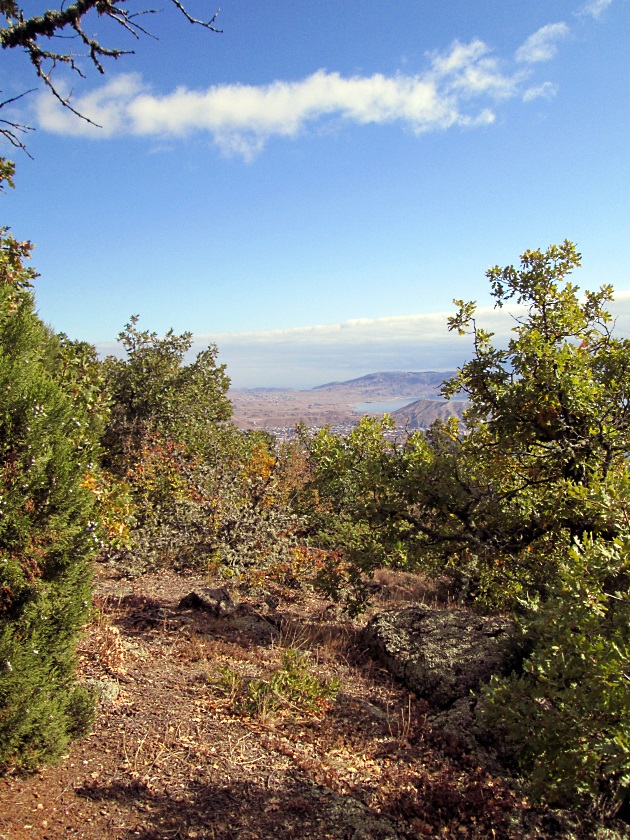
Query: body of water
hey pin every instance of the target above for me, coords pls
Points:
(382, 406)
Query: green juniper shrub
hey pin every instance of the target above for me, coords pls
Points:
(47, 529)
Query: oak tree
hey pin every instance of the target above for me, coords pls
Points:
(525, 506)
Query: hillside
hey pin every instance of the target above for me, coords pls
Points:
(335, 402)
(391, 384)
(420, 414)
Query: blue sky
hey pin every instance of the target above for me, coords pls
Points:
(312, 187)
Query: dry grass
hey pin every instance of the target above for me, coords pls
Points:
(396, 589)
(174, 756)
(102, 644)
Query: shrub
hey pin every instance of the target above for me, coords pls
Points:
(290, 685)
(203, 493)
(47, 529)
(567, 714)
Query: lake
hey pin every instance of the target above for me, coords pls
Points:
(382, 407)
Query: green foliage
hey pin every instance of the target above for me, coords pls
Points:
(204, 494)
(154, 392)
(290, 685)
(548, 420)
(7, 172)
(556, 395)
(497, 500)
(524, 505)
(76, 365)
(47, 529)
(349, 485)
(567, 715)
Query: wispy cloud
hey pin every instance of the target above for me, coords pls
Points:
(543, 44)
(459, 87)
(547, 90)
(595, 8)
(307, 356)
(302, 357)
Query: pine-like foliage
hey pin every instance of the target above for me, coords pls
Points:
(46, 533)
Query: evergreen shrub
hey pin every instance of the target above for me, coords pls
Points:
(47, 532)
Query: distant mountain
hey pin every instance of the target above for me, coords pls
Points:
(421, 414)
(341, 403)
(389, 385)
(263, 390)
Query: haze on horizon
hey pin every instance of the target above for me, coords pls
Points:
(305, 357)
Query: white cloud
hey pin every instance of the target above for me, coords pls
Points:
(545, 91)
(595, 8)
(458, 88)
(307, 356)
(302, 357)
(543, 44)
(106, 106)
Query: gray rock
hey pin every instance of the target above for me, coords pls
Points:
(464, 725)
(215, 601)
(441, 655)
(106, 691)
(245, 619)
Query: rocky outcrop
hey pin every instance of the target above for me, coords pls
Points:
(441, 655)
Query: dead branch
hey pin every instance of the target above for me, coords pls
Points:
(28, 34)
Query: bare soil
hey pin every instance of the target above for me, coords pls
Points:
(285, 409)
(172, 756)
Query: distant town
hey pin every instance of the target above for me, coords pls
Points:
(412, 398)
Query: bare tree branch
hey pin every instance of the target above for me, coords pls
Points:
(11, 130)
(27, 34)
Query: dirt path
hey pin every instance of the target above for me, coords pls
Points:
(172, 755)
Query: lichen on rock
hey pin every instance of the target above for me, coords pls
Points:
(441, 655)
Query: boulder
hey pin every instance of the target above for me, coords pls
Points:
(215, 601)
(241, 617)
(441, 655)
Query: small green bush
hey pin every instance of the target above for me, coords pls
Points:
(291, 685)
